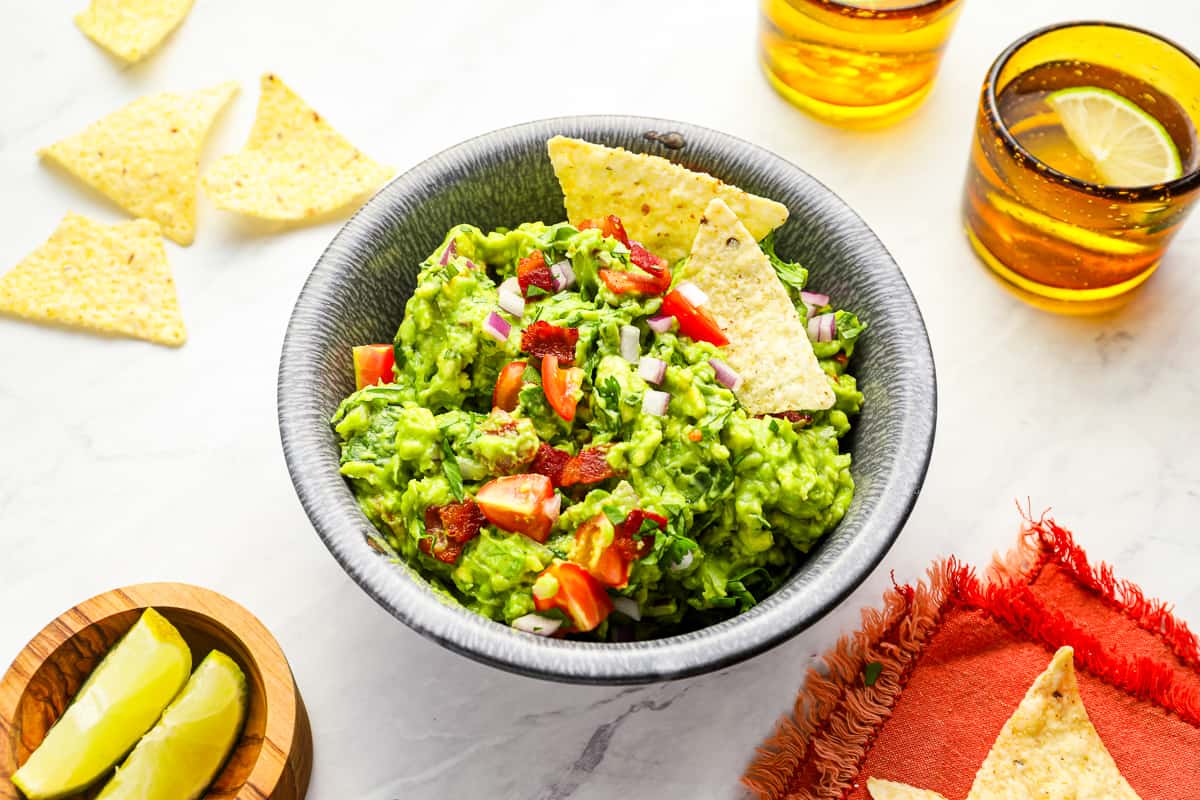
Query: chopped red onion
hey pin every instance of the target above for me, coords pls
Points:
(661, 323)
(450, 252)
(564, 275)
(814, 300)
(652, 370)
(725, 374)
(683, 563)
(629, 607)
(537, 624)
(497, 327)
(822, 328)
(655, 403)
(692, 293)
(512, 303)
(630, 343)
(470, 264)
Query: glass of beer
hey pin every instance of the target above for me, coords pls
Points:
(855, 63)
(1084, 163)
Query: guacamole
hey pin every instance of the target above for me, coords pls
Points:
(553, 452)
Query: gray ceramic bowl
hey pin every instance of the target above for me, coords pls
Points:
(357, 292)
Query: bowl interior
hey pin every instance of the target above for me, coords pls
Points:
(63, 672)
(357, 294)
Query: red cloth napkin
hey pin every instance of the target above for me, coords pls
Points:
(959, 652)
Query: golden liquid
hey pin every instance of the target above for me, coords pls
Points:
(1047, 235)
(858, 64)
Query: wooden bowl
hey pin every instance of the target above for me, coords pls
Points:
(273, 758)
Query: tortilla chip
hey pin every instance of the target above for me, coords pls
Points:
(659, 201)
(889, 790)
(131, 29)
(768, 344)
(106, 278)
(295, 166)
(146, 156)
(1049, 749)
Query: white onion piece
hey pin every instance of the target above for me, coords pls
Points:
(497, 327)
(652, 370)
(450, 252)
(564, 275)
(630, 344)
(683, 563)
(661, 323)
(512, 303)
(822, 328)
(814, 300)
(629, 607)
(552, 507)
(725, 374)
(655, 403)
(692, 293)
(511, 285)
(536, 624)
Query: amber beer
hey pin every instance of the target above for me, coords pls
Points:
(1037, 212)
(858, 63)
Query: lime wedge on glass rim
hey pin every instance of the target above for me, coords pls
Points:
(117, 704)
(1127, 146)
(181, 755)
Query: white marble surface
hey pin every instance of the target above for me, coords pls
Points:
(123, 462)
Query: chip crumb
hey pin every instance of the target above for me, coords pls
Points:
(131, 29)
(294, 166)
(105, 278)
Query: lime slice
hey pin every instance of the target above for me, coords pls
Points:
(1127, 146)
(118, 703)
(181, 755)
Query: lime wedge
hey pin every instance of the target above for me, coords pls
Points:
(181, 755)
(1127, 146)
(118, 703)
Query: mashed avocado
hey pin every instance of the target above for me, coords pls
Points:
(743, 498)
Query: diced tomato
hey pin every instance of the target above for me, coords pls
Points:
(594, 551)
(590, 466)
(508, 386)
(550, 461)
(543, 339)
(641, 257)
(448, 528)
(578, 594)
(628, 539)
(373, 364)
(523, 503)
(693, 320)
(619, 282)
(562, 387)
(534, 271)
(609, 226)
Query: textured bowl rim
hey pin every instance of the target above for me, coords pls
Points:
(304, 431)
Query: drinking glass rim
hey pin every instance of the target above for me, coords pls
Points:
(886, 13)
(1184, 183)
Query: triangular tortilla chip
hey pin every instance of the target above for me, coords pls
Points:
(146, 156)
(889, 790)
(659, 202)
(107, 278)
(768, 344)
(295, 166)
(1048, 749)
(131, 29)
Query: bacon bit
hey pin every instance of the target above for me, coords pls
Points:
(550, 462)
(533, 271)
(590, 466)
(643, 258)
(625, 535)
(695, 435)
(841, 358)
(448, 528)
(543, 339)
(610, 226)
